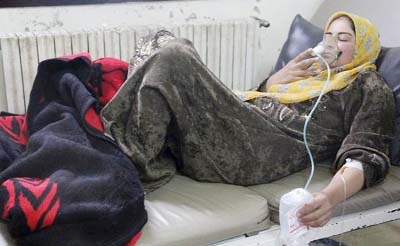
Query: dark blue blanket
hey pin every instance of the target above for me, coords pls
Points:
(63, 182)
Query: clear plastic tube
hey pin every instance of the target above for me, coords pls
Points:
(308, 117)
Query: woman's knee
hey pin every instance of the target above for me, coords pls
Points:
(178, 49)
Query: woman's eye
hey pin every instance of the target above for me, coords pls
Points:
(344, 37)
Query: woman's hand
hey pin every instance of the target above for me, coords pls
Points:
(343, 185)
(296, 69)
(317, 212)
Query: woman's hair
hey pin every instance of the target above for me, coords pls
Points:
(353, 27)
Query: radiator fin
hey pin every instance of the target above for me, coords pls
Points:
(228, 48)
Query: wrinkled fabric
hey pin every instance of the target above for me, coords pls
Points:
(62, 182)
(172, 114)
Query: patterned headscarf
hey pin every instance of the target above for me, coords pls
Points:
(367, 48)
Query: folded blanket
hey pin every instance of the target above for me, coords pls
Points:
(63, 182)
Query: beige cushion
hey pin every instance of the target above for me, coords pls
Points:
(379, 195)
(186, 212)
(5, 239)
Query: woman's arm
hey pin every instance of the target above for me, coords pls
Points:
(319, 210)
(370, 120)
(296, 69)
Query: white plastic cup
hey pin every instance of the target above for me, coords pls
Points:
(292, 231)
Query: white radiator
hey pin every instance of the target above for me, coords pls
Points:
(229, 49)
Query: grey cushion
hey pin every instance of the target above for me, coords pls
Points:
(382, 194)
(302, 35)
(187, 212)
(389, 67)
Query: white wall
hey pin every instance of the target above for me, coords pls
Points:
(385, 14)
(278, 13)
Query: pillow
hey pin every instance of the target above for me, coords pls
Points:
(303, 35)
(388, 64)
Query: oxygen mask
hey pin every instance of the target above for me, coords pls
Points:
(328, 50)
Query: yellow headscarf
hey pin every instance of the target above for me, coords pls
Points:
(367, 49)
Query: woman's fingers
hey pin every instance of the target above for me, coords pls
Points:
(302, 74)
(321, 212)
(303, 55)
(309, 208)
(323, 220)
(300, 66)
(310, 73)
(317, 212)
(306, 63)
(296, 69)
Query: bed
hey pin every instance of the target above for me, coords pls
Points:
(187, 212)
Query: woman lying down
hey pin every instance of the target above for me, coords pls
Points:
(173, 114)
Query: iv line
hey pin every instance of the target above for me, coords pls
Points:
(345, 197)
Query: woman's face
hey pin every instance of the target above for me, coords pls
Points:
(341, 29)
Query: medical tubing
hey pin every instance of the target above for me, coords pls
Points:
(308, 117)
(345, 197)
